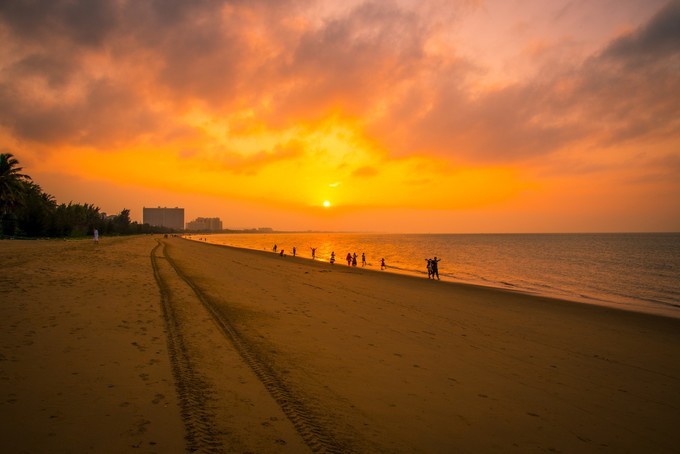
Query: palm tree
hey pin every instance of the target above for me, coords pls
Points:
(35, 214)
(11, 182)
(12, 190)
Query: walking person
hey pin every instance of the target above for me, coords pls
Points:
(274, 248)
(349, 259)
(96, 236)
(332, 257)
(429, 268)
(382, 264)
(294, 251)
(313, 252)
(354, 259)
(363, 259)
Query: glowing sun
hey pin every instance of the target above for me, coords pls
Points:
(326, 203)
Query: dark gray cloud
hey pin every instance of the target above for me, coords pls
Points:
(84, 22)
(633, 86)
(659, 38)
(57, 71)
(107, 114)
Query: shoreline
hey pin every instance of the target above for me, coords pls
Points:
(171, 344)
(665, 312)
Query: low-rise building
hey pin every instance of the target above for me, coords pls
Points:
(205, 225)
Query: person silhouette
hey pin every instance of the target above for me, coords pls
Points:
(294, 251)
(349, 259)
(435, 268)
(313, 253)
(382, 264)
(363, 259)
(354, 259)
(332, 257)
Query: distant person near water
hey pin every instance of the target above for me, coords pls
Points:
(363, 259)
(429, 268)
(313, 253)
(332, 257)
(274, 248)
(281, 253)
(382, 264)
(435, 267)
(294, 251)
(354, 259)
(349, 259)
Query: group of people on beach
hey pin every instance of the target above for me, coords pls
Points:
(282, 251)
(352, 258)
(432, 264)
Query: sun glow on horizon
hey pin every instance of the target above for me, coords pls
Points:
(294, 173)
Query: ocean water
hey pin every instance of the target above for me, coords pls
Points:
(637, 271)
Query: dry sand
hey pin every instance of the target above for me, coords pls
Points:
(164, 345)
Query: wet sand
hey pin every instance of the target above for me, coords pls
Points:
(132, 345)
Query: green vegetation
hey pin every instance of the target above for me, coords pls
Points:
(27, 211)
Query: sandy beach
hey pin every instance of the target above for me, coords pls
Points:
(146, 344)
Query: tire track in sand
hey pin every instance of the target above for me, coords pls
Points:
(193, 392)
(314, 434)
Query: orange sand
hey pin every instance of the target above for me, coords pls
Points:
(105, 350)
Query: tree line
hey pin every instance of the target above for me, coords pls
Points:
(27, 211)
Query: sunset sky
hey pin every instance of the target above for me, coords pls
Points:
(420, 116)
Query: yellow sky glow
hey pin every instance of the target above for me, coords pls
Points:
(331, 162)
(410, 115)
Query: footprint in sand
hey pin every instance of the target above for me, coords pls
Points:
(139, 347)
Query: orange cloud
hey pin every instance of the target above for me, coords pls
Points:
(364, 104)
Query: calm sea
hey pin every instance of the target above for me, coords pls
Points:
(639, 271)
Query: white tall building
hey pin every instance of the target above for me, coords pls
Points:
(205, 224)
(164, 217)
